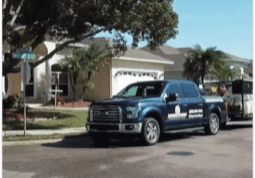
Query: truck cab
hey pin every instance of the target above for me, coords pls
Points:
(148, 109)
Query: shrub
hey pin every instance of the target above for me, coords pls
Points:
(21, 109)
(61, 99)
(9, 101)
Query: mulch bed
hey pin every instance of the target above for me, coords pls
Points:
(75, 104)
(12, 116)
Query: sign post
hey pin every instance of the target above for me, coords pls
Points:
(56, 90)
(24, 95)
(26, 78)
(25, 54)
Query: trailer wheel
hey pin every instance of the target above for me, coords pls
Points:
(214, 124)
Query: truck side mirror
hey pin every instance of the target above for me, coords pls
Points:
(172, 97)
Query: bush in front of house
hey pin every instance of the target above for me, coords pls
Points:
(61, 99)
(9, 101)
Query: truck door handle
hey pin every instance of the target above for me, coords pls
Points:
(185, 105)
(201, 104)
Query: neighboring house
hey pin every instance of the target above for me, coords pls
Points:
(249, 72)
(237, 63)
(135, 65)
(171, 72)
(179, 55)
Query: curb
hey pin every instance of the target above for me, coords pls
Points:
(31, 142)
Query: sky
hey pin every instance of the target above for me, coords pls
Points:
(224, 24)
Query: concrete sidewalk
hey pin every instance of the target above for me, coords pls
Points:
(45, 132)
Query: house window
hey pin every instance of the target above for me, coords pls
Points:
(30, 85)
(59, 79)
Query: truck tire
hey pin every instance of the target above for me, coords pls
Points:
(100, 141)
(150, 131)
(213, 125)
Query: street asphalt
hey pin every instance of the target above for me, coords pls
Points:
(185, 154)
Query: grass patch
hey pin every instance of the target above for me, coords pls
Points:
(64, 119)
(42, 137)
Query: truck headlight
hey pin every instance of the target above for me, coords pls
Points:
(91, 114)
(134, 112)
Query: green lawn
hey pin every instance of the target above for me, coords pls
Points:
(64, 119)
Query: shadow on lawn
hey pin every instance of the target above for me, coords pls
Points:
(37, 114)
(19, 125)
(12, 120)
(49, 115)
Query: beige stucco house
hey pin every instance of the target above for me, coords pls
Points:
(135, 65)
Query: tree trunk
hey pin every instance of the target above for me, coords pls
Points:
(85, 87)
(72, 85)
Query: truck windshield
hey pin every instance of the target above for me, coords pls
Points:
(142, 90)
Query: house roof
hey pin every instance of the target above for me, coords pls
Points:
(184, 50)
(162, 50)
(229, 56)
(179, 60)
(131, 54)
(235, 58)
(169, 53)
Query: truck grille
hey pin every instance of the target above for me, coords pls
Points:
(107, 114)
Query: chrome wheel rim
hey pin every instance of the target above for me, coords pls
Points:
(214, 124)
(151, 132)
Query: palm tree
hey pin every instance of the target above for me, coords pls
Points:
(223, 73)
(73, 65)
(199, 62)
(94, 58)
(82, 63)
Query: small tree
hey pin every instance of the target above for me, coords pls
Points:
(200, 62)
(94, 58)
(41, 87)
(81, 65)
(223, 73)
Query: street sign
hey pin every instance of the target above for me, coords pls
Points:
(26, 73)
(25, 56)
(24, 50)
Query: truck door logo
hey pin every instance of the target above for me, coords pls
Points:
(177, 110)
(194, 113)
(177, 115)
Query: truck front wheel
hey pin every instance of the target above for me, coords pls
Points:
(214, 125)
(151, 131)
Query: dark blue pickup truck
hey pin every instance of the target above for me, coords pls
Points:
(149, 109)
